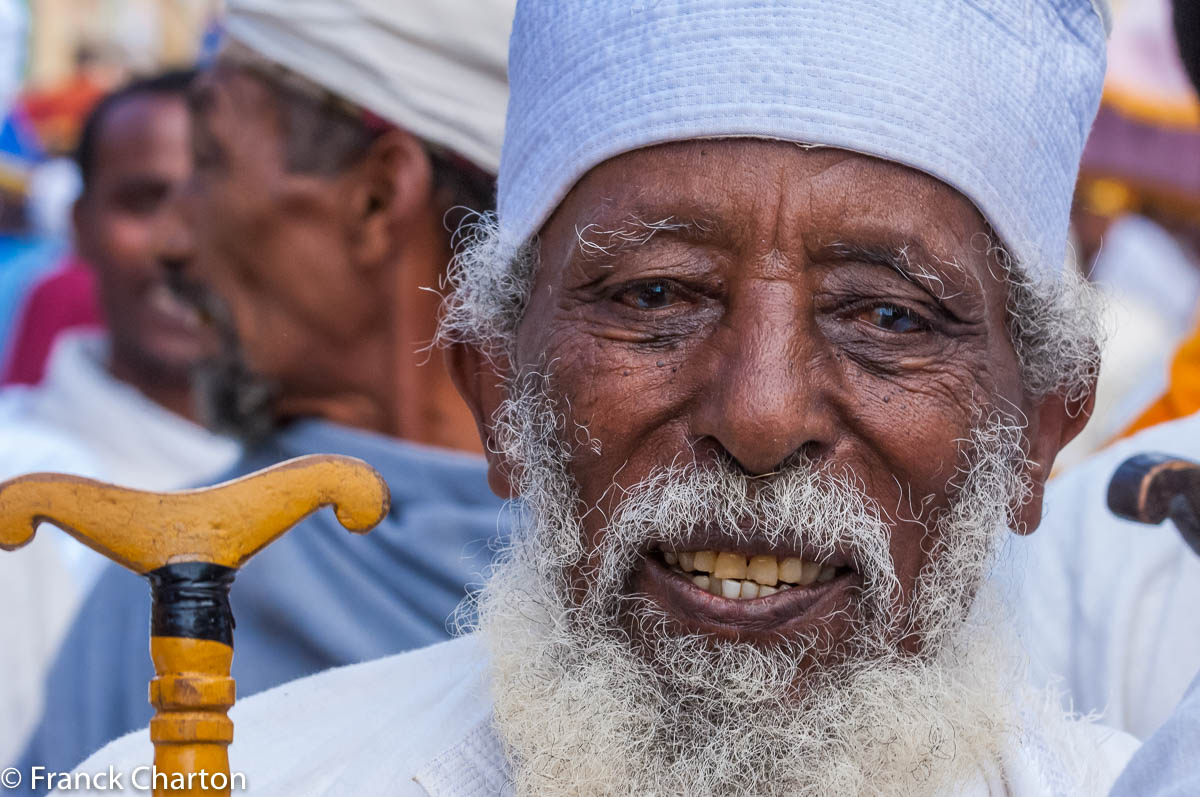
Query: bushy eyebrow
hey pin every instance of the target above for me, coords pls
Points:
(633, 231)
(910, 261)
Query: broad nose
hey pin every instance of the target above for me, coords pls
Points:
(174, 236)
(769, 393)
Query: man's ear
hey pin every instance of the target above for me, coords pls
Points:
(1054, 422)
(479, 380)
(388, 188)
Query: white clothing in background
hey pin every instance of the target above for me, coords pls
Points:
(1109, 609)
(79, 420)
(420, 724)
(38, 595)
(134, 441)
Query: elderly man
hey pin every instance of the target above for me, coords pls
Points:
(772, 338)
(332, 142)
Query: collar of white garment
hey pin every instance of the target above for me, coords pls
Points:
(137, 442)
(473, 767)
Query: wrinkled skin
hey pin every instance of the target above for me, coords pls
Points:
(772, 325)
(142, 157)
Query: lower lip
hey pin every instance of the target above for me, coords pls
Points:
(699, 611)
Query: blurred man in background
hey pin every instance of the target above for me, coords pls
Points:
(116, 406)
(335, 147)
(126, 396)
(1136, 220)
(1107, 605)
(1166, 764)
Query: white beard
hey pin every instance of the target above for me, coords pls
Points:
(583, 710)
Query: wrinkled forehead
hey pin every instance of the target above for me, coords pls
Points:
(748, 194)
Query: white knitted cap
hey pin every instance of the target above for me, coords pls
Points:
(993, 97)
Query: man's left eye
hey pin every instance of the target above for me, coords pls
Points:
(654, 295)
(893, 319)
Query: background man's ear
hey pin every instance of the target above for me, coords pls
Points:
(389, 188)
(1054, 422)
(479, 379)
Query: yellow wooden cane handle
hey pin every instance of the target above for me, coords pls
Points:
(225, 524)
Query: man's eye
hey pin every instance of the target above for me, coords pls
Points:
(893, 319)
(655, 295)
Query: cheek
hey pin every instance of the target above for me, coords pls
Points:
(128, 241)
(912, 435)
(630, 405)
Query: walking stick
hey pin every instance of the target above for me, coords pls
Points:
(189, 545)
(1149, 488)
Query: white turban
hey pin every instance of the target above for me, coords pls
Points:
(993, 97)
(433, 67)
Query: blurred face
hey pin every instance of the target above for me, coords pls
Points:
(268, 241)
(767, 416)
(142, 157)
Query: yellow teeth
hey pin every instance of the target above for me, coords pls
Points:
(734, 575)
(729, 565)
(763, 570)
(791, 569)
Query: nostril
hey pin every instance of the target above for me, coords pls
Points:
(804, 456)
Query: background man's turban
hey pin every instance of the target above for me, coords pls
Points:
(435, 68)
(993, 97)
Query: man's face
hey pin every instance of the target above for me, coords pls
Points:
(753, 303)
(765, 414)
(268, 241)
(142, 156)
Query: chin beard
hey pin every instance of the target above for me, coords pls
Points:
(232, 399)
(593, 695)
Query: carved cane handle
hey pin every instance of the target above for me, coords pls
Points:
(225, 524)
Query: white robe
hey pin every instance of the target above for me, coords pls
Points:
(1109, 609)
(420, 725)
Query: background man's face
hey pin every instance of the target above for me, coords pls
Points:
(269, 242)
(142, 156)
(756, 302)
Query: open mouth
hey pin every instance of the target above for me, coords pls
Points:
(733, 575)
(168, 306)
(747, 593)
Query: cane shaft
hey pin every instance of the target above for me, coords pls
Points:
(191, 729)
(191, 643)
